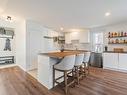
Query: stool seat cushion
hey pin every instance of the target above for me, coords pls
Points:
(67, 63)
(86, 57)
(79, 59)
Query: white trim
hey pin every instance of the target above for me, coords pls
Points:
(7, 66)
(120, 70)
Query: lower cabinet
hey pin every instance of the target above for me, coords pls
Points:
(110, 60)
(122, 61)
(116, 61)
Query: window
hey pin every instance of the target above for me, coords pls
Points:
(98, 42)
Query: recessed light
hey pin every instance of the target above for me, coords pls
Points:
(107, 14)
(61, 28)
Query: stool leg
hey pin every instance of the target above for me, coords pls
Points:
(88, 68)
(72, 72)
(53, 76)
(81, 68)
(65, 82)
(85, 69)
(77, 74)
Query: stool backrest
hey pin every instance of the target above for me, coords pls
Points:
(67, 62)
(86, 57)
(79, 59)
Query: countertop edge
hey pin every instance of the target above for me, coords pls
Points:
(114, 52)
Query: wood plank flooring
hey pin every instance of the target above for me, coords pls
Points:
(14, 81)
(99, 82)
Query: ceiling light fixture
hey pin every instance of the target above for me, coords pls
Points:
(9, 18)
(107, 14)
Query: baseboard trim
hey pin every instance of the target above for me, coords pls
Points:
(120, 70)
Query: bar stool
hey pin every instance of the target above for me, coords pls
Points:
(86, 62)
(78, 67)
(66, 64)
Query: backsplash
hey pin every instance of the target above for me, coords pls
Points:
(80, 46)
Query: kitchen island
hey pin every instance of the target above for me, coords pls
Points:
(45, 66)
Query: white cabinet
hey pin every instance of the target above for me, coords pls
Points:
(82, 36)
(75, 35)
(110, 60)
(49, 33)
(123, 61)
(53, 34)
(117, 61)
(48, 44)
(67, 38)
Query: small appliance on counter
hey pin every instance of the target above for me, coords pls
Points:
(106, 48)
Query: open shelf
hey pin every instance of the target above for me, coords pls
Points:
(117, 37)
(119, 43)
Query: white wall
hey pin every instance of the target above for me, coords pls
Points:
(29, 42)
(82, 46)
(110, 28)
(33, 45)
(21, 44)
(36, 42)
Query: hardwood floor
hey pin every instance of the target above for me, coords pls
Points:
(99, 82)
(14, 81)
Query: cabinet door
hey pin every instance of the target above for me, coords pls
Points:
(84, 37)
(122, 61)
(67, 38)
(75, 35)
(53, 34)
(110, 60)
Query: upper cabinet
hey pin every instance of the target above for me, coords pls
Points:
(67, 38)
(82, 36)
(49, 33)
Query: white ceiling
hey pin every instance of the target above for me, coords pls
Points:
(67, 13)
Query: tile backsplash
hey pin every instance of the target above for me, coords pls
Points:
(80, 46)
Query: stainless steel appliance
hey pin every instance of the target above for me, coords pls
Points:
(96, 60)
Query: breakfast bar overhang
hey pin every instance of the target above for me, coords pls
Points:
(45, 66)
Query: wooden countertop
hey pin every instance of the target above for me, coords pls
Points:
(62, 54)
(77, 50)
(114, 52)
